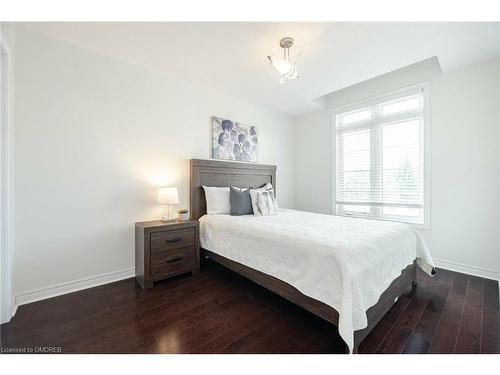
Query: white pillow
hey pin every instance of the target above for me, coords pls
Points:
(217, 200)
(255, 204)
(263, 201)
(267, 203)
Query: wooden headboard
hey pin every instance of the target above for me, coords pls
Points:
(224, 173)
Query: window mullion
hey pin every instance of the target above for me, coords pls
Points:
(339, 178)
(375, 161)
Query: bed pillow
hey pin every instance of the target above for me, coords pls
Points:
(267, 203)
(241, 203)
(217, 200)
(255, 206)
(264, 201)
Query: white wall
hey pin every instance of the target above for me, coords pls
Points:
(465, 160)
(6, 170)
(313, 162)
(94, 135)
(465, 133)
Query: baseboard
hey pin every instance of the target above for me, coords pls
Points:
(72, 286)
(14, 309)
(470, 270)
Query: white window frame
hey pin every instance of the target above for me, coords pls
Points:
(425, 87)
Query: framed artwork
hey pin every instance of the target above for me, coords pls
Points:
(232, 140)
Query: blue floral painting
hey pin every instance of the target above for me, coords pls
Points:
(234, 141)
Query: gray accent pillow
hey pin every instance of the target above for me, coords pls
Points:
(241, 203)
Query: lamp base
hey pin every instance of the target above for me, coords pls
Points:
(166, 214)
(168, 220)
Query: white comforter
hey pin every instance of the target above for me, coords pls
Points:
(344, 262)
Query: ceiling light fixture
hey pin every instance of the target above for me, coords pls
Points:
(286, 68)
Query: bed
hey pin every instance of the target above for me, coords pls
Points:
(347, 271)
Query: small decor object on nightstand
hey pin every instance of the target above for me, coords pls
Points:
(182, 215)
(164, 250)
(166, 197)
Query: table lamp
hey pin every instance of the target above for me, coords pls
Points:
(166, 197)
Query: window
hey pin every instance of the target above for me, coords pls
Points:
(381, 163)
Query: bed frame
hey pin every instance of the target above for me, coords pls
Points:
(221, 173)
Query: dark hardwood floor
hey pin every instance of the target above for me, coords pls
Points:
(221, 312)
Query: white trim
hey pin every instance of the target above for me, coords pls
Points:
(14, 309)
(469, 270)
(427, 157)
(334, 162)
(393, 94)
(385, 218)
(423, 87)
(72, 286)
(6, 248)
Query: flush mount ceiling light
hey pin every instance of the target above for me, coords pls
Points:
(284, 66)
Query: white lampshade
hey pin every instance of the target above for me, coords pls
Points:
(283, 67)
(168, 195)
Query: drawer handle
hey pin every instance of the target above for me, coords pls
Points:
(173, 240)
(175, 259)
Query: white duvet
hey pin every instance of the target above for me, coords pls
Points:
(344, 262)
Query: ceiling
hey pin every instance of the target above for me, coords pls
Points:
(231, 57)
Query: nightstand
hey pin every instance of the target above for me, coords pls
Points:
(165, 249)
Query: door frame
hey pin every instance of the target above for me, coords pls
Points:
(7, 309)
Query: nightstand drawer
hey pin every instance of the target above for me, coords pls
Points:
(174, 239)
(173, 261)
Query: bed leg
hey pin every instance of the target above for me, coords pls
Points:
(414, 275)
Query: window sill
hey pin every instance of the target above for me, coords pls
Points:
(419, 226)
